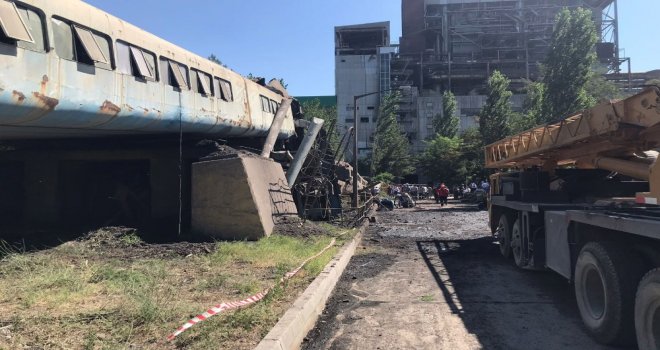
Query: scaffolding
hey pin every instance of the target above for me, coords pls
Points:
(462, 42)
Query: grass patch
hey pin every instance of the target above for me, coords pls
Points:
(72, 297)
(427, 298)
(130, 239)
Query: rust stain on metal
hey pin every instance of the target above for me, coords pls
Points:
(44, 84)
(109, 108)
(45, 101)
(18, 96)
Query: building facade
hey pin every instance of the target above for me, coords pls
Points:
(453, 45)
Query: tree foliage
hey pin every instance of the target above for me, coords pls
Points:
(494, 116)
(446, 124)
(471, 162)
(599, 89)
(391, 152)
(532, 114)
(568, 66)
(454, 160)
(439, 160)
(384, 177)
(215, 59)
(314, 109)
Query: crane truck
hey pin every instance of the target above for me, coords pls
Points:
(580, 197)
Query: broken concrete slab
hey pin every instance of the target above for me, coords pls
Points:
(239, 198)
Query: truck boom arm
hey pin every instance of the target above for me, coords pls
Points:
(609, 136)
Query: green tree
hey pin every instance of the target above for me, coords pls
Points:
(494, 116)
(384, 177)
(470, 164)
(214, 58)
(532, 114)
(598, 88)
(439, 160)
(568, 65)
(446, 124)
(314, 109)
(391, 152)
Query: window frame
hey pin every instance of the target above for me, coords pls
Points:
(110, 65)
(43, 28)
(265, 103)
(132, 61)
(4, 26)
(173, 77)
(206, 86)
(228, 95)
(273, 106)
(132, 55)
(78, 31)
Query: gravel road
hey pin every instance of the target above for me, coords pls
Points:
(432, 278)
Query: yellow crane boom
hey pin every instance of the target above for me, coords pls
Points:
(612, 136)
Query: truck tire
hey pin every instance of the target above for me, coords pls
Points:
(517, 245)
(504, 236)
(647, 311)
(605, 281)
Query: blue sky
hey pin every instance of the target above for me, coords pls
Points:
(294, 39)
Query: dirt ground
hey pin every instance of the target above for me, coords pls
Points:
(432, 278)
(109, 289)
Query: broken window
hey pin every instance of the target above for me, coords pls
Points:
(225, 91)
(203, 83)
(273, 106)
(76, 43)
(174, 74)
(34, 23)
(143, 68)
(135, 61)
(90, 45)
(12, 24)
(63, 39)
(265, 104)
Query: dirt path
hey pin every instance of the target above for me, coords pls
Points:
(431, 278)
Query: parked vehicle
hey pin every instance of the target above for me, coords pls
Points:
(582, 201)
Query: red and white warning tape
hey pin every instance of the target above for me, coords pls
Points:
(245, 302)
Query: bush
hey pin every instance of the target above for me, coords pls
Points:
(384, 177)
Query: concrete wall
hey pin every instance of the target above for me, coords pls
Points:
(239, 198)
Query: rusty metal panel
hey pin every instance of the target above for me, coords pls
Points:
(44, 95)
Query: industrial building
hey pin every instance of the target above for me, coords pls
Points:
(453, 45)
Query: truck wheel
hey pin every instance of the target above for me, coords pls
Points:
(517, 244)
(504, 236)
(647, 311)
(605, 281)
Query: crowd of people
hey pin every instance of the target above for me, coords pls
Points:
(405, 195)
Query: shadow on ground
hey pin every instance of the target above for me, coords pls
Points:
(505, 307)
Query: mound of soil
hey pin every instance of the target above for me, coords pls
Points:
(300, 229)
(120, 243)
